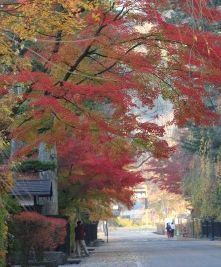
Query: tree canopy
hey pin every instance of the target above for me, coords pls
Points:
(82, 68)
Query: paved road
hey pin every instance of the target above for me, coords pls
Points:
(141, 248)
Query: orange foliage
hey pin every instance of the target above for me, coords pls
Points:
(86, 71)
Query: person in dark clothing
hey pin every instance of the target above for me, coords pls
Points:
(168, 229)
(79, 239)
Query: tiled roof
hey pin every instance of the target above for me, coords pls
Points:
(32, 187)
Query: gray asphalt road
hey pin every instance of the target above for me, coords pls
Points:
(140, 248)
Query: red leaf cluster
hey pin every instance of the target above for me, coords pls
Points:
(169, 173)
(39, 232)
(83, 99)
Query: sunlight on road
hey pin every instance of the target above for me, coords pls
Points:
(143, 248)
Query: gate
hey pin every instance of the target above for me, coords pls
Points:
(91, 232)
(211, 229)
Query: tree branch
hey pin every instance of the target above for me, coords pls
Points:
(82, 56)
(140, 164)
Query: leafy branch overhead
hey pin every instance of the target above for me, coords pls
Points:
(86, 70)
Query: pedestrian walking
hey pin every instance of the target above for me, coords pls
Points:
(173, 227)
(168, 230)
(79, 239)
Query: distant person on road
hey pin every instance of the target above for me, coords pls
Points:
(168, 229)
(79, 239)
(173, 227)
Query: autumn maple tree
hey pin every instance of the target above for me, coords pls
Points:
(194, 169)
(82, 68)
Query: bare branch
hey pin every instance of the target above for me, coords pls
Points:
(140, 164)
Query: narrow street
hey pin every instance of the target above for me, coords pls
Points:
(142, 248)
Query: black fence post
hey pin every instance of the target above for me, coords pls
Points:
(207, 228)
(212, 229)
(193, 228)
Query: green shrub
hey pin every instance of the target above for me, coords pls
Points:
(124, 222)
(34, 166)
(3, 232)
